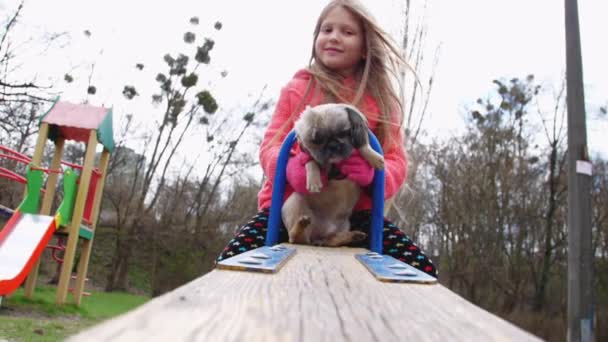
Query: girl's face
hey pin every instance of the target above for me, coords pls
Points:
(340, 44)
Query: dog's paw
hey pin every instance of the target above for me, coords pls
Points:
(358, 236)
(304, 221)
(313, 185)
(377, 161)
(297, 233)
(318, 243)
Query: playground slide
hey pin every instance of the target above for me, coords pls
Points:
(22, 240)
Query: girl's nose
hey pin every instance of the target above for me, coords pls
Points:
(334, 36)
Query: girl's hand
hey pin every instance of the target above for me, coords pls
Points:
(357, 169)
(296, 172)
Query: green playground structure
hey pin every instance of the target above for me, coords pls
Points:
(27, 233)
(30, 226)
(31, 201)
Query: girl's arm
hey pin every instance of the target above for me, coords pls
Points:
(395, 161)
(281, 123)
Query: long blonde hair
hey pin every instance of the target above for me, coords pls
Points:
(376, 73)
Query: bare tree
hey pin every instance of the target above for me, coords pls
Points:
(417, 89)
(13, 87)
(415, 95)
(182, 112)
(555, 132)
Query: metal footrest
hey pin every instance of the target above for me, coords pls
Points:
(264, 259)
(386, 268)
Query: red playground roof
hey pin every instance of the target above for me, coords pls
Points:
(75, 121)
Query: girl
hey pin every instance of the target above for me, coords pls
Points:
(352, 61)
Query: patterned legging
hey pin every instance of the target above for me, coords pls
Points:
(395, 242)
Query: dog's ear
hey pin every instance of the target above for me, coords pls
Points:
(358, 124)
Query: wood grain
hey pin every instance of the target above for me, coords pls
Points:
(77, 214)
(47, 201)
(321, 294)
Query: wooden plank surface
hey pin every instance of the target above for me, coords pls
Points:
(321, 294)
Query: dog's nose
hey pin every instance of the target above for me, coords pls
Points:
(336, 147)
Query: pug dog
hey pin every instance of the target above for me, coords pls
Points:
(328, 133)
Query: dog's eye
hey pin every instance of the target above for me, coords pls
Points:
(317, 139)
(343, 134)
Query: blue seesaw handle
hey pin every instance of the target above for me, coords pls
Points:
(278, 191)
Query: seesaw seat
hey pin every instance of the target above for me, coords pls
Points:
(270, 258)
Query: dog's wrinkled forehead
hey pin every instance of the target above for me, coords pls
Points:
(334, 119)
(329, 119)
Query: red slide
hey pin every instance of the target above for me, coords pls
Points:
(22, 240)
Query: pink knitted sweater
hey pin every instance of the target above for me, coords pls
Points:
(290, 98)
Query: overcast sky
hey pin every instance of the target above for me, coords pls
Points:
(264, 42)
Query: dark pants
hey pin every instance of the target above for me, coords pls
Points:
(395, 242)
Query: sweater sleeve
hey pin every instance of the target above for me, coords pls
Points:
(281, 123)
(395, 171)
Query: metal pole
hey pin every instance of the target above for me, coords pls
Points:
(580, 254)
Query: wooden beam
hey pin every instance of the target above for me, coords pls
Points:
(81, 196)
(51, 183)
(87, 245)
(47, 203)
(43, 135)
(321, 294)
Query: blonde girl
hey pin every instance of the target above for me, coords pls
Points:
(353, 61)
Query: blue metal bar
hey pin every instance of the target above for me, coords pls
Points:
(375, 240)
(278, 191)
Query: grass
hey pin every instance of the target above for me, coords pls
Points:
(40, 319)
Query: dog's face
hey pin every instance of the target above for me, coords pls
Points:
(329, 132)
